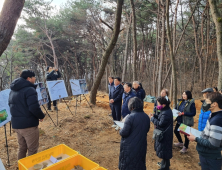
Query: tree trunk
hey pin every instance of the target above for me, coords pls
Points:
(162, 49)
(134, 40)
(171, 55)
(126, 54)
(107, 52)
(9, 16)
(217, 18)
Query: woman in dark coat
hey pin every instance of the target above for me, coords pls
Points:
(164, 122)
(133, 145)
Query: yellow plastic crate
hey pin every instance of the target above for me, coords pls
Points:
(100, 168)
(28, 162)
(69, 164)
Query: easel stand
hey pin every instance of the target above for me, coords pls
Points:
(80, 102)
(6, 141)
(49, 115)
(68, 107)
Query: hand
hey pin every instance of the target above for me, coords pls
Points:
(56, 70)
(111, 101)
(151, 115)
(191, 137)
(180, 114)
(41, 120)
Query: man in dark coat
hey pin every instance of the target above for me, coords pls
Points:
(133, 147)
(115, 96)
(140, 92)
(127, 95)
(164, 122)
(52, 75)
(26, 113)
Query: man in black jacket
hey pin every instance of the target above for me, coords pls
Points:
(26, 113)
(115, 97)
(52, 75)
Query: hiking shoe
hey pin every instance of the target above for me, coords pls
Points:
(114, 126)
(55, 108)
(184, 150)
(50, 110)
(199, 163)
(159, 163)
(110, 115)
(179, 145)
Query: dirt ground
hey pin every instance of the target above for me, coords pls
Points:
(91, 134)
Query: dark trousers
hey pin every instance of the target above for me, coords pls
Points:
(165, 164)
(210, 164)
(177, 133)
(116, 111)
(49, 103)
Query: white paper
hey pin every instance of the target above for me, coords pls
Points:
(5, 115)
(57, 89)
(1, 165)
(75, 86)
(120, 124)
(53, 160)
(175, 113)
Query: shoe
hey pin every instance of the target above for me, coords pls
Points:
(199, 163)
(114, 126)
(50, 110)
(179, 145)
(184, 150)
(159, 163)
(110, 115)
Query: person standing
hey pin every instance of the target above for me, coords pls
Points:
(52, 75)
(164, 122)
(26, 113)
(187, 111)
(209, 144)
(204, 114)
(163, 93)
(133, 146)
(110, 85)
(115, 97)
(127, 95)
(140, 92)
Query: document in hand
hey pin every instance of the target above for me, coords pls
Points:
(175, 113)
(120, 124)
(187, 130)
(1, 165)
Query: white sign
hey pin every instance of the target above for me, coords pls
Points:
(5, 115)
(42, 94)
(1, 165)
(57, 89)
(75, 86)
(83, 86)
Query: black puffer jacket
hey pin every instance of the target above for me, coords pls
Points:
(134, 141)
(54, 75)
(24, 105)
(163, 121)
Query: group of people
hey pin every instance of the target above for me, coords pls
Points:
(126, 101)
(133, 146)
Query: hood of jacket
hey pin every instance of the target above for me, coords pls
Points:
(21, 83)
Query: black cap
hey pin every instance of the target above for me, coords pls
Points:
(207, 90)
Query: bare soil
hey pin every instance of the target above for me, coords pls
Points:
(91, 134)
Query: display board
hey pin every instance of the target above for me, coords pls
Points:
(78, 86)
(57, 89)
(42, 94)
(5, 115)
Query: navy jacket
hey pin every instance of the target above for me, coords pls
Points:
(133, 145)
(53, 76)
(24, 105)
(116, 94)
(181, 106)
(163, 121)
(140, 93)
(126, 98)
